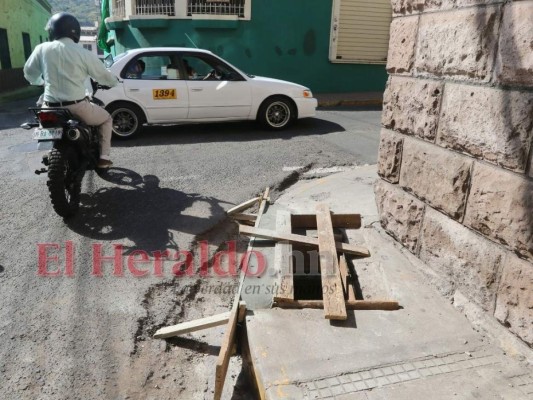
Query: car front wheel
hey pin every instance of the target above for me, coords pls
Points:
(276, 113)
(127, 120)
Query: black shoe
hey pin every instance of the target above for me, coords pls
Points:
(104, 164)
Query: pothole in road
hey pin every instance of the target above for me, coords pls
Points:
(185, 366)
(290, 179)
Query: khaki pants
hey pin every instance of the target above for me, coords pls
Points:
(95, 115)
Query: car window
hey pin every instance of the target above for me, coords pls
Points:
(196, 67)
(204, 66)
(153, 67)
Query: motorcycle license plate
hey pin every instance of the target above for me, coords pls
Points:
(47, 133)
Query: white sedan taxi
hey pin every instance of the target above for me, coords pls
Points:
(167, 85)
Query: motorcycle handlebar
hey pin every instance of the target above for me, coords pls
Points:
(96, 86)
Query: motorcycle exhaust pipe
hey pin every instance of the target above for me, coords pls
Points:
(73, 134)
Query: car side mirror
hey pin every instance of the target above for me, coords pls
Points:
(232, 76)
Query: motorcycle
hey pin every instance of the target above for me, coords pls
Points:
(75, 150)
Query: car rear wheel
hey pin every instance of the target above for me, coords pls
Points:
(127, 120)
(276, 113)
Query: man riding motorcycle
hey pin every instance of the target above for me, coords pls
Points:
(63, 67)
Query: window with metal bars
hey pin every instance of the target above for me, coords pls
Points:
(154, 7)
(119, 8)
(216, 7)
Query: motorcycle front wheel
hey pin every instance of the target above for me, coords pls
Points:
(62, 184)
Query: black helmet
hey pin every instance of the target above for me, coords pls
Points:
(63, 25)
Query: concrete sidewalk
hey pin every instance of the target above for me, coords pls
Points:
(350, 99)
(426, 350)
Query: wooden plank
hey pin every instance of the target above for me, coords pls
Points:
(283, 257)
(266, 195)
(265, 199)
(243, 206)
(349, 292)
(388, 305)
(229, 337)
(244, 217)
(226, 349)
(300, 239)
(242, 312)
(332, 292)
(314, 234)
(192, 326)
(249, 223)
(347, 221)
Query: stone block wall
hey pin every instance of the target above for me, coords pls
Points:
(456, 150)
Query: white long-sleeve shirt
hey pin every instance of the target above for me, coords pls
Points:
(65, 66)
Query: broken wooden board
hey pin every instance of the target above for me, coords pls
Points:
(226, 349)
(244, 217)
(349, 291)
(243, 206)
(262, 206)
(283, 257)
(347, 221)
(387, 305)
(300, 239)
(192, 326)
(333, 293)
(266, 196)
(237, 311)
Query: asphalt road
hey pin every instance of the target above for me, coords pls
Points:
(87, 336)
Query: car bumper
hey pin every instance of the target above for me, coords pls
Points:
(306, 107)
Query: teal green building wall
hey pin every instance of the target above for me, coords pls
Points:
(284, 39)
(29, 16)
(18, 17)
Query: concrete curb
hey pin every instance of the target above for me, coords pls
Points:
(353, 99)
(350, 103)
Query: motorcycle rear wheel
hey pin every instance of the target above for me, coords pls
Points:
(63, 187)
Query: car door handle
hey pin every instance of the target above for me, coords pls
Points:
(134, 90)
(196, 89)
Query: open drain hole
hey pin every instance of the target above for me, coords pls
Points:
(307, 279)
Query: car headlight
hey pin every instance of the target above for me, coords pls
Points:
(308, 94)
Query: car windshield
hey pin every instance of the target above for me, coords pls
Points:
(110, 60)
